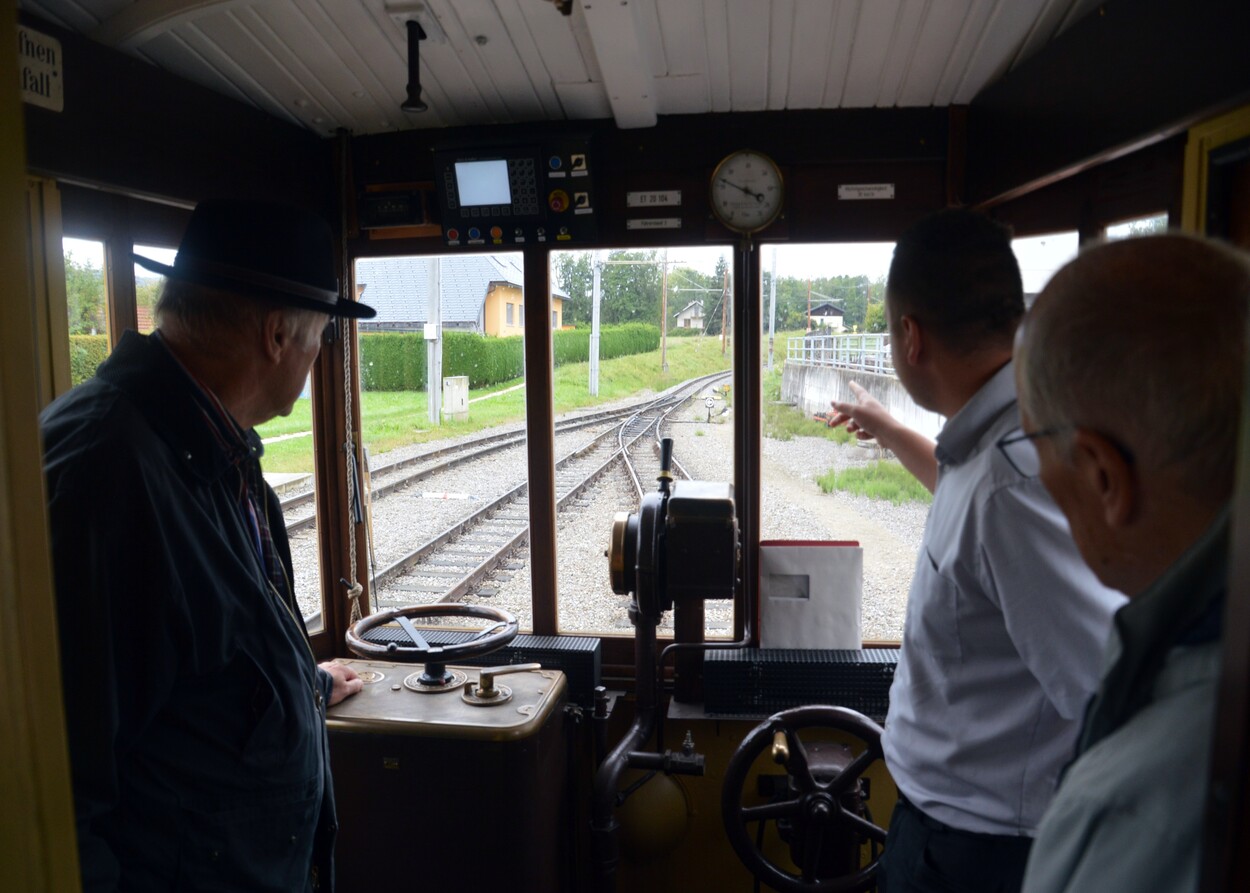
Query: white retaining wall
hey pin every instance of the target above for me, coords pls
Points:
(810, 388)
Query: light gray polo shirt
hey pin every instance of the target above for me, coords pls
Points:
(1004, 636)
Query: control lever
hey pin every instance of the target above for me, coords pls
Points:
(486, 692)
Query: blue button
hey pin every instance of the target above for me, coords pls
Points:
(555, 162)
(475, 233)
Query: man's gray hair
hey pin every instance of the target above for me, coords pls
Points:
(209, 316)
(1144, 341)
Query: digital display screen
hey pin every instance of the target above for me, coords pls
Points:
(483, 182)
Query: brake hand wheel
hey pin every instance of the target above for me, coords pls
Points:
(435, 657)
(818, 808)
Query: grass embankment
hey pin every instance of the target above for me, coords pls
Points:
(883, 479)
(392, 419)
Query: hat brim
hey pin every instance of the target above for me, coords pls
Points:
(271, 289)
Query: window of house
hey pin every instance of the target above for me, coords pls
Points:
(511, 315)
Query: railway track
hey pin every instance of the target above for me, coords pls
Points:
(457, 560)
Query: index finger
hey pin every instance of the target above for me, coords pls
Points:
(859, 392)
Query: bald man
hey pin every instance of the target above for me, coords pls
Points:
(1130, 369)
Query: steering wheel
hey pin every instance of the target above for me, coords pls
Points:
(824, 794)
(435, 657)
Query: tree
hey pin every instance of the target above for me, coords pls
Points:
(84, 295)
(147, 290)
(631, 291)
(575, 274)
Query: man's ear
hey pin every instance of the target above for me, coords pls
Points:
(913, 339)
(275, 335)
(1109, 475)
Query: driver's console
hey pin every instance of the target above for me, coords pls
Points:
(449, 776)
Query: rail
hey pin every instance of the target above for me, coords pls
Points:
(863, 353)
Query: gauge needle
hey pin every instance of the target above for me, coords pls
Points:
(758, 196)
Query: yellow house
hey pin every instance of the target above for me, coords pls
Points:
(480, 293)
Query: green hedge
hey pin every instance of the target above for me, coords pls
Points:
(573, 345)
(86, 353)
(395, 361)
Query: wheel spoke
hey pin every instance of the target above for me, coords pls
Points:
(782, 810)
(863, 826)
(853, 771)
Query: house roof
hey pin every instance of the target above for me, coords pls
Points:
(398, 287)
(698, 304)
(828, 309)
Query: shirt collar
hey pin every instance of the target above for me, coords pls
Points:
(964, 429)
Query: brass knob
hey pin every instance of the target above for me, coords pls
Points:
(781, 747)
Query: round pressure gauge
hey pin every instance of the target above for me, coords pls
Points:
(747, 191)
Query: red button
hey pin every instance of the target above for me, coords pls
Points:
(453, 234)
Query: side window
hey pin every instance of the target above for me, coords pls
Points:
(148, 285)
(1138, 226)
(87, 302)
(511, 314)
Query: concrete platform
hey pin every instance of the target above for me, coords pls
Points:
(284, 483)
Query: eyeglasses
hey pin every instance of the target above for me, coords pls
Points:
(1021, 452)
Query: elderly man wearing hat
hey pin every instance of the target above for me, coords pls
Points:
(195, 707)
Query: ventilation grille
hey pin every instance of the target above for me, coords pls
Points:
(753, 681)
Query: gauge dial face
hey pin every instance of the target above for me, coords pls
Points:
(747, 191)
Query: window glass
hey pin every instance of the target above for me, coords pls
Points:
(1040, 256)
(824, 327)
(1139, 226)
(86, 299)
(644, 352)
(446, 464)
(148, 285)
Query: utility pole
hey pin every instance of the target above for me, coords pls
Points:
(772, 309)
(664, 318)
(724, 304)
(596, 292)
(809, 305)
(434, 343)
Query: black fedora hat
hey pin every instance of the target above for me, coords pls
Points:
(273, 252)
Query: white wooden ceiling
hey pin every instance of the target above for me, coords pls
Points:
(326, 64)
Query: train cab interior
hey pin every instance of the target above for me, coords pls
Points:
(566, 140)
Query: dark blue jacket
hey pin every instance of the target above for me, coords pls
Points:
(194, 704)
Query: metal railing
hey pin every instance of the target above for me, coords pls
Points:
(863, 353)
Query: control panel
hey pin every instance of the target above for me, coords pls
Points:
(513, 195)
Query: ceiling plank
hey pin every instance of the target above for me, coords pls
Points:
(938, 31)
(681, 35)
(492, 45)
(780, 39)
(810, 52)
(845, 26)
(960, 53)
(1005, 30)
(716, 37)
(531, 57)
(748, 48)
(134, 25)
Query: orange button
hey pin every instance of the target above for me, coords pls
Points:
(495, 232)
